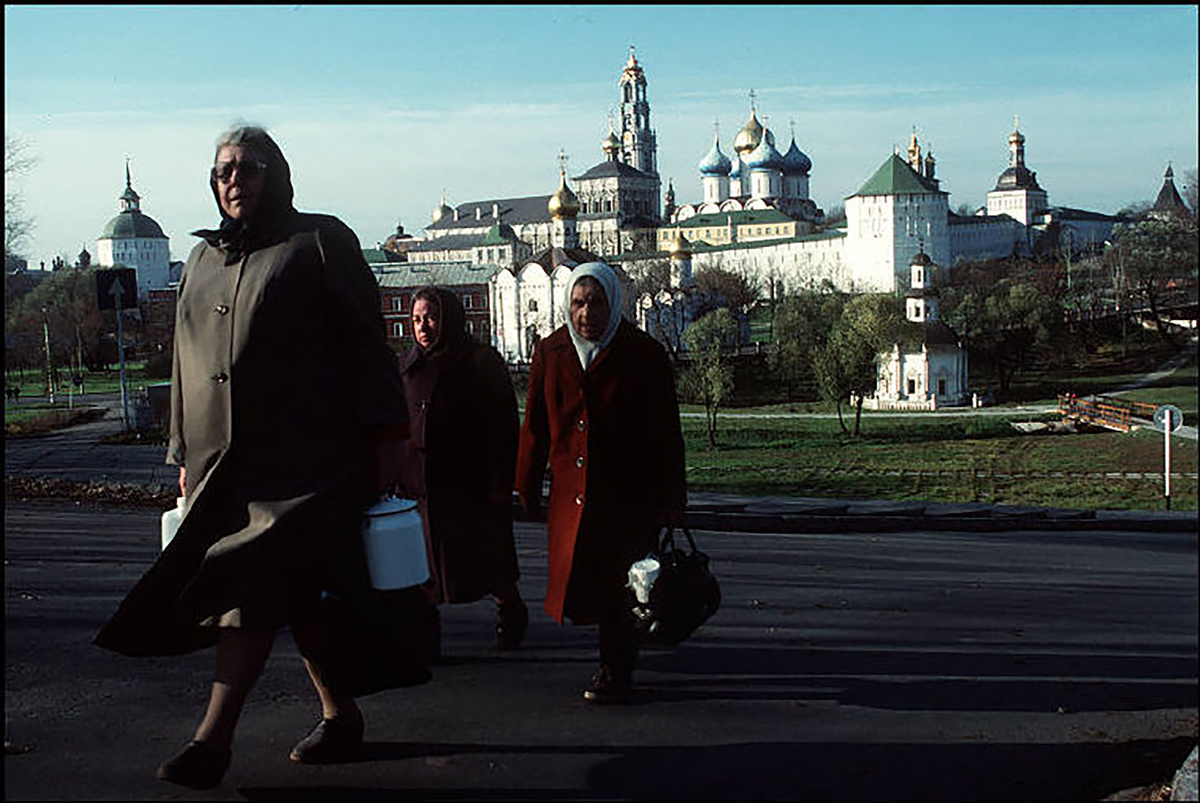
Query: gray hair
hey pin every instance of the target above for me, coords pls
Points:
(243, 134)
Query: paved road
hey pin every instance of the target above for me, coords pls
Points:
(909, 664)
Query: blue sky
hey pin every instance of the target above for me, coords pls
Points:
(379, 109)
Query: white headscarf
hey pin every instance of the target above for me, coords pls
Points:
(607, 277)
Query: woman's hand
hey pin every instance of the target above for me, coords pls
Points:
(182, 481)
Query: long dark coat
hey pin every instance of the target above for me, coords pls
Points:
(282, 378)
(612, 441)
(460, 459)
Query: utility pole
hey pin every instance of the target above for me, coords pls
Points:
(117, 292)
(49, 365)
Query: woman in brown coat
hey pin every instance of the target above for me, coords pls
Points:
(602, 413)
(459, 461)
(287, 420)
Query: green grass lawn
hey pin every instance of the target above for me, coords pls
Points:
(944, 459)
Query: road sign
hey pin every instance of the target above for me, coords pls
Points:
(118, 281)
(1160, 417)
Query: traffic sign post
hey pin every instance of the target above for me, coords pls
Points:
(112, 286)
(1167, 419)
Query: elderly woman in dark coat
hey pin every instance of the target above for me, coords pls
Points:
(287, 419)
(460, 460)
(602, 413)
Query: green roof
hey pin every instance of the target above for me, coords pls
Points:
(895, 177)
(374, 255)
(500, 234)
(132, 224)
(740, 218)
(699, 246)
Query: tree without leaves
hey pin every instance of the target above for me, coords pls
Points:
(1159, 259)
(17, 225)
(718, 288)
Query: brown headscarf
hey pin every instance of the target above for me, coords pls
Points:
(236, 237)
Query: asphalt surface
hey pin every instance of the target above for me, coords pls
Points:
(862, 652)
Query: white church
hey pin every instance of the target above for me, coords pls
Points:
(133, 239)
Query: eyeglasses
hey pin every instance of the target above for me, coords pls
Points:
(223, 171)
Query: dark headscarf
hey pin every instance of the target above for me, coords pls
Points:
(452, 333)
(236, 237)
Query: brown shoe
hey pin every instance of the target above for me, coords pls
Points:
(333, 741)
(608, 687)
(197, 766)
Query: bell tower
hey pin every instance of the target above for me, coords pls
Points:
(638, 147)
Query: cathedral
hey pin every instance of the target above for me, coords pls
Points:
(755, 216)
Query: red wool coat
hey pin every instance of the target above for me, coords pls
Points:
(612, 441)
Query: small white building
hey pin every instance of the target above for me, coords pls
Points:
(928, 370)
(135, 240)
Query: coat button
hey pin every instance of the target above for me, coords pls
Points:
(220, 309)
(221, 378)
(581, 425)
(578, 462)
(579, 499)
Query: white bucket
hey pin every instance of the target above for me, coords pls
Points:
(395, 544)
(172, 519)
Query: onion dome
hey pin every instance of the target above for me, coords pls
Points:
(764, 157)
(714, 162)
(611, 144)
(441, 210)
(680, 248)
(796, 161)
(735, 167)
(747, 139)
(563, 203)
(921, 258)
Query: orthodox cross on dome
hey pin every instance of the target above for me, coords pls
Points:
(128, 182)
(752, 96)
(562, 161)
(792, 126)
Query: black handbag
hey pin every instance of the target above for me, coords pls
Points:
(372, 640)
(682, 597)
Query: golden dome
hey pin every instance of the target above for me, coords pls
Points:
(564, 203)
(441, 210)
(611, 144)
(748, 138)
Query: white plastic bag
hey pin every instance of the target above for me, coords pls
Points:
(642, 576)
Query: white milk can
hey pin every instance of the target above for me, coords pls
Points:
(171, 520)
(395, 544)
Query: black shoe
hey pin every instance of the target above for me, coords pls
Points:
(510, 629)
(608, 687)
(197, 766)
(333, 741)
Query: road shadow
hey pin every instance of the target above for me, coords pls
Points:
(801, 771)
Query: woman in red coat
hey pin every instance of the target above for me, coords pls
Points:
(601, 411)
